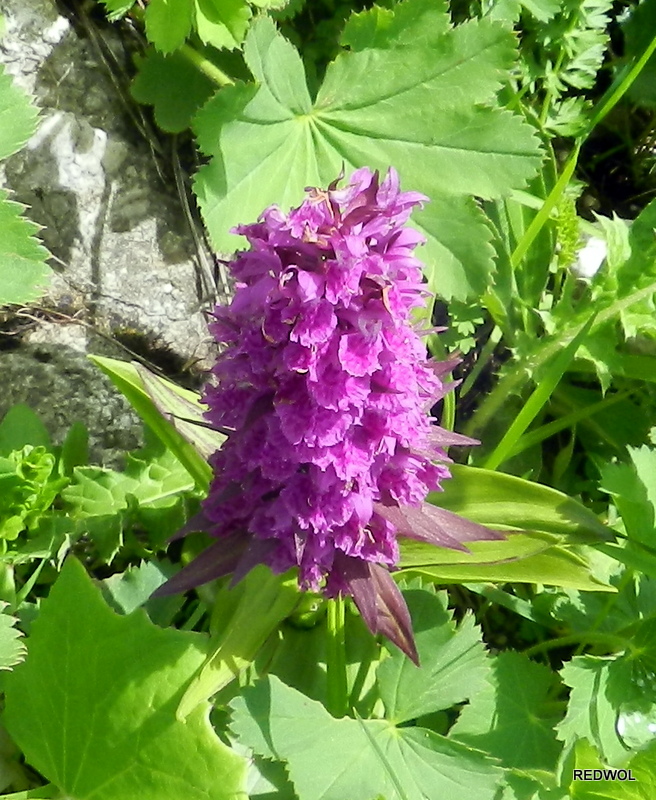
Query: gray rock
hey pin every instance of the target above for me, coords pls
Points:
(63, 387)
(125, 248)
(112, 219)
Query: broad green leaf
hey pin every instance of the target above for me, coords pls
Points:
(17, 116)
(222, 23)
(184, 410)
(168, 23)
(454, 664)
(150, 492)
(174, 86)
(638, 31)
(418, 107)
(513, 717)
(505, 501)
(48, 792)
(519, 545)
(275, 5)
(334, 759)
(633, 487)
(128, 381)
(93, 705)
(590, 712)
(24, 273)
(641, 787)
(12, 649)
(21, 426)
(96, 491)
(556, 566)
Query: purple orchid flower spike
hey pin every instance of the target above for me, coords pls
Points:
(324, 384)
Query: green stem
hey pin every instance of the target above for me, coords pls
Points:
(548, 206)
(482, 360)
(605, 105)
(615, 643)
(512, 381)
(336, 658)
(620, 87)
(448, 420)
(204, 65)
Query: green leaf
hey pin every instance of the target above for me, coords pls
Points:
(101, 691)
(633, 488)
(512, 717)
(129, 382)
(540, 395)
(504, 501)
(556, 566)
(643, 772)
(454, 665)
(333, 759)
(12, 649)
(24, 273)
(257, 606)
(18, 116)
(638, 32)
(174, 86)
(96, 492)
(127, 591)
(419, 107)
(222, 23)
(74, 449)
(406, 24)
(21, 426)
(185, 412)
(168, 23)
(116, 9)
(591, 714)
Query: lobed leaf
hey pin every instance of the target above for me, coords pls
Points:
(454, 662)
(12, 648)
(18, 116)
(333, 759)
(24, 273)
(512, 716)
(174, 86)
(417, 107)
(168, 23)
(106, 731)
